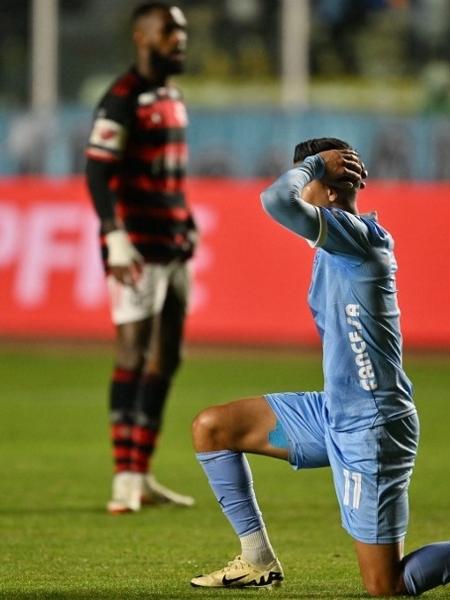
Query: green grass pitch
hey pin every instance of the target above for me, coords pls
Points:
(57, 542)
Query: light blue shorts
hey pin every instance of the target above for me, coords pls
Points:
(371, 468)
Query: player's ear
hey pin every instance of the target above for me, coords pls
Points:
(332, 195)
(137, 36)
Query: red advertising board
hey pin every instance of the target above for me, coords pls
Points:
(250, 276)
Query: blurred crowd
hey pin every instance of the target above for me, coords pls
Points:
(377, 56)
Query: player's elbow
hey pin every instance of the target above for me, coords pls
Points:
(269, 201)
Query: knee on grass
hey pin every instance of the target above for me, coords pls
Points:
(381, 587)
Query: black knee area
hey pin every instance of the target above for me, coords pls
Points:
(122, 395)
(169, 363)
(151, 398)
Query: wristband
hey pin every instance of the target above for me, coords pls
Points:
(121, 252)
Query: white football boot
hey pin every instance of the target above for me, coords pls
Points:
(127, 490)
(240, 573)
(155, 493)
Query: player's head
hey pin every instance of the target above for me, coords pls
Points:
(159, 35)
(318, 192)
(316, 145)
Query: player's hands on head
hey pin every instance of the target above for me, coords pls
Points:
(343, 169)
(124, 261)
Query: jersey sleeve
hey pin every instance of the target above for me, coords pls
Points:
(105, 149)
(335, 230)
(110, 128)
(283, 202)
(343, 233)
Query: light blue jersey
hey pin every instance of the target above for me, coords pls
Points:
(353, 299)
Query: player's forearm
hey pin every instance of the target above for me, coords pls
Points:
(283, 202)
(99, 175)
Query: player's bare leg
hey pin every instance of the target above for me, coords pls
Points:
(381, 568)
(221, 434)
(386, 572)
(242, 426)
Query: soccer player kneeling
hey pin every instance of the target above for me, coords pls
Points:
(363, 424)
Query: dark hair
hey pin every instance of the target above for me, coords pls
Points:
(147, 8)
(316, 145)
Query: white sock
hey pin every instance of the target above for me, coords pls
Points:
(256, 548)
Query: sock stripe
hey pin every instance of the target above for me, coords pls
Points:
(139, 461)
(121, 431)
(144, 435)
(122, 452)
(121, 446)
(125, 375)
(144, 442)
(121, 465)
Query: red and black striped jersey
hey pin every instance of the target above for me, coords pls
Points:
(142, 129)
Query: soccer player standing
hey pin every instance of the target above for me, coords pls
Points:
(363, 425)
(136, 176)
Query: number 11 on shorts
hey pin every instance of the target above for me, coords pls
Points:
(352, 480)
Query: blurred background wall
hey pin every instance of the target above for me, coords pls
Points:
(378, 71)
(261, 76)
